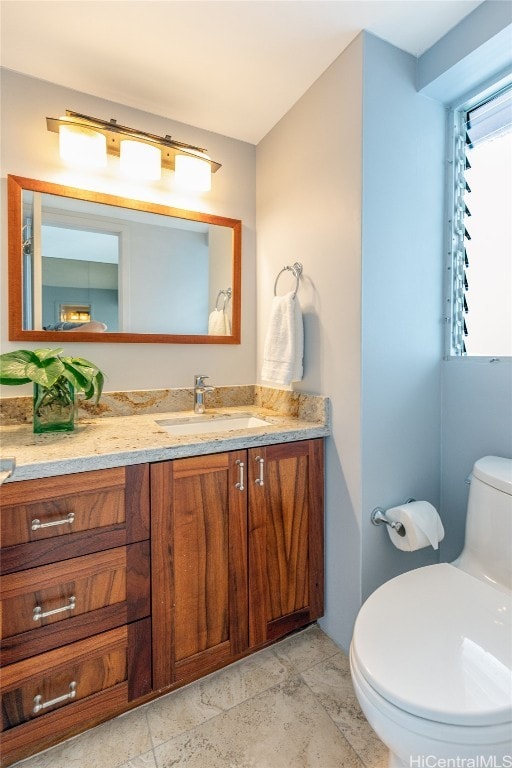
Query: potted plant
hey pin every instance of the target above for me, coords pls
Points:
(56, 378)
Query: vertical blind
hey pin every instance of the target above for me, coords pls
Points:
(484, 122)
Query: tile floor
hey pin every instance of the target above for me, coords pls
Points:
(288, 706)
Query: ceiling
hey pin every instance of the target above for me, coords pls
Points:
(230, 66)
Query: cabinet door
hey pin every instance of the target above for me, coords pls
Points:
(285, 538)
(199, 561)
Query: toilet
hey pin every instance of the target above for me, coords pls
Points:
(431, 653)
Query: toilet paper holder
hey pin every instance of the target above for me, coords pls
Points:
(378, 517)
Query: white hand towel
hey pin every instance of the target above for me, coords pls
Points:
(218, 323)
(284, 344)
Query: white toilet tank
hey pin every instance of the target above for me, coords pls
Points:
(487, 552)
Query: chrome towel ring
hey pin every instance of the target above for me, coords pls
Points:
(296, 270)
(226, 295)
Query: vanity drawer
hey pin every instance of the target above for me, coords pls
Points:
(109, 670)
(33, 510)
(55, 518)
(46, 607)
(41, 596)
(59, 678)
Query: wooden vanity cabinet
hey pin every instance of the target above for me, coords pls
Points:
(103, 604)
(237, 554)
(75, 599)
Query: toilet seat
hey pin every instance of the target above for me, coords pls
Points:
(436, 643)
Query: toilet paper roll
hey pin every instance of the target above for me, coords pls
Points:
(423, 526)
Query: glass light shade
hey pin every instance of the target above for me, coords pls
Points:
(82, 146)
(140, 161)
(192, 173)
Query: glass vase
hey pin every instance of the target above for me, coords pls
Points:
(54, 407)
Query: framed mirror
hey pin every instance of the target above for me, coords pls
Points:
(110, 269)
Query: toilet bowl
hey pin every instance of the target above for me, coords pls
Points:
(431, 653)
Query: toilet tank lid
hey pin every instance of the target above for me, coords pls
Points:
(495, 471)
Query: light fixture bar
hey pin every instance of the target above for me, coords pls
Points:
(115, 133)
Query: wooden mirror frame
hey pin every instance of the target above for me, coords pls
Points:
(17, 184)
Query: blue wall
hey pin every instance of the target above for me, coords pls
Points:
(476, 408)
(366, 217)
(477, 421)
(425, 420)
(402, 242)
(476, 50)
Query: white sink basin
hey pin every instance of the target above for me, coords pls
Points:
(199, 425)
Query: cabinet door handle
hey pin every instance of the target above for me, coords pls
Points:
(68, 520)
(38, 612)
(39, 704)
(240, 485)
(261, 479)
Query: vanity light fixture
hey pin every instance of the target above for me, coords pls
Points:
(192, 173)
(140, 161)
(82, 146)
(192, 165)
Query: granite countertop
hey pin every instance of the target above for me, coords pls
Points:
(126, 431)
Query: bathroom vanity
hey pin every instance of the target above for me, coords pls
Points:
(128, 572)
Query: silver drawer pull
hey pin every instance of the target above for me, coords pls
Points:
(68, 520)
(240, 484)
(261, 479)
(39, 704)
(38, 612)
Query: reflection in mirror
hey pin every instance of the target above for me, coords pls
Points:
(124, 271)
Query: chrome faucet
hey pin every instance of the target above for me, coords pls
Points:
(199, 392)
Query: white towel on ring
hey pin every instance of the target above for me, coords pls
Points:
(284, 343)
(218, 323)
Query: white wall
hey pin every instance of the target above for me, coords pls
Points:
(28, 149)
(309, 176)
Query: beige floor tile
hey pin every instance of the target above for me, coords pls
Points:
(305, 648)
(180, 711)
(331, 682)
(109, 745)
(246, 678)
(143, 761)
(283, 727)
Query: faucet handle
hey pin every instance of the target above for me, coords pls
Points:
(199, 379)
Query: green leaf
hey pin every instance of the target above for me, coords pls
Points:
(45, 373)
(76, 377)
(89, 392)
(14, 366)
(45, 354)
(12, 382)
(100, 380)
(81, 361)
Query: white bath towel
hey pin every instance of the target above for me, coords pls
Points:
(284, 344)
(218, 323)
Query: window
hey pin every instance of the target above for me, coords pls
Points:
(481, 232)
